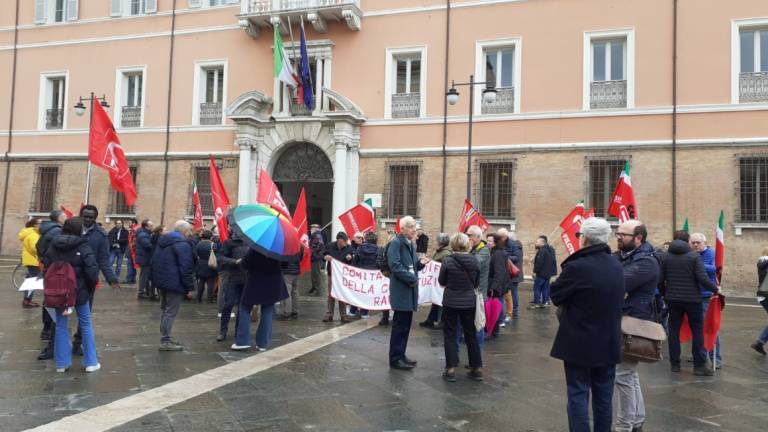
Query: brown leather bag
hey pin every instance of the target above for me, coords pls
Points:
(642, 339)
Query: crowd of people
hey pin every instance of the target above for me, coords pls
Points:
(596, 288)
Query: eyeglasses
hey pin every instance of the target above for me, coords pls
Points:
(621, 234)
(579, 234)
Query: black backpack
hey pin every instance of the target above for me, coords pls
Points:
(382, 260)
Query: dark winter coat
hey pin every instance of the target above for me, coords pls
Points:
(422, 244)
(97, 240)
(332, 250)
(232, 250)
(292, 267)
(683, 274)
(120, 240)
(173, 265)
(515, 248)
(403, 280)
(590, 295)
(317, 246)
(499, 280)
(76, 251)
(264, 283)
(49, 230)
(641, 277)
(143, 247)
(762, 270)
(366, 255)
(545, 262)
(459, 274)
(203, 253)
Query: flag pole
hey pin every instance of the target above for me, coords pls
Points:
(293, 46)
(88, 174)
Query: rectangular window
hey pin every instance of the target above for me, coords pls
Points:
(404, 86)
(500, 72)
(55, 104)
(403, 190)
(203, 180)
(44, 192)
(59, 11)
(608, 88)
(132, 89)
(138, 7)
(753, 189)
(496, 189)
(602, 177)
(212, 95)
(118, 204)
(753, 65)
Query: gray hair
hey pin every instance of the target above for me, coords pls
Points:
(475, 230)
(596, 230)
(503, 232)
(407, 221)
(701, 237)
(443, 239)
(182, 226)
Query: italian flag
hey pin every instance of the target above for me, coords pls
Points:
(623, 204)
(359, 219)
(197, 222)
(720, 247)
(283, 68)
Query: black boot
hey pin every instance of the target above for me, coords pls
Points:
(46, 353)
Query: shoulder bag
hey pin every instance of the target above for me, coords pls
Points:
(642, 339)
(213, 263)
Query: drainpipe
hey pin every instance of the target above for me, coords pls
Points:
(674, 116)
(168, 116)
(445, 112)
(10, 123)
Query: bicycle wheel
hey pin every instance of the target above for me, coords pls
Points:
(19, 274)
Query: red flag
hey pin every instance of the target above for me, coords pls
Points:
(397, 226)
(300, 222)
(105, 151)
(197, 223)
(470, 216)
(358, 219)
(711, 324)
(623, 204)
(720, 247)
(66, 212)
(270, 195)
(220, 202)
(570, 226)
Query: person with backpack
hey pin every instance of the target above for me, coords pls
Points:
(71, 273)
(28, 236)
(206, 276)
(49, 230)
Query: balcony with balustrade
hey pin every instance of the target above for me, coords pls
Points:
(504, 103)
(210, 113)
(753, 87)
(130, 116)
(608, 94)
(256, 15)
(406, 105)
(54, 118)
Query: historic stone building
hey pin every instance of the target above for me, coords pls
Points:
(581, 87)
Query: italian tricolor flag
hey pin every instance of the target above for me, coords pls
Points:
(283, 69)
(720, 247)
(359, 219)
(623, 204)
(197, 223)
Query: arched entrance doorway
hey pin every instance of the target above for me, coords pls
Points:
(305, 165)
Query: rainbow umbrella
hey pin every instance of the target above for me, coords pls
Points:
(267, 231)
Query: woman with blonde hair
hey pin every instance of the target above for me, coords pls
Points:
(762, 297)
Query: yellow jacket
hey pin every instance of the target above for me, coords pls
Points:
(28, 238)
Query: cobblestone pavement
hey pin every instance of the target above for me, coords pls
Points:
(347, 386)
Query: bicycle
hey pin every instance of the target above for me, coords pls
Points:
(19, 275)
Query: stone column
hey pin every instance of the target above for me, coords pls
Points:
(339, 184)
(353, 173)
(243, 180)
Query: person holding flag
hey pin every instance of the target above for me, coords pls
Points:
(707, 254)
(623, 203)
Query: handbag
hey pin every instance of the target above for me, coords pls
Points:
(213, 263)
(512, 268)
(642, 339)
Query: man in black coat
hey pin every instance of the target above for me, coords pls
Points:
(682, 273)
(339, 250)
(316, 246)
(590, 294)
(48, 231)
(144, 257)
(118, 243)
(544, 267)
(641, 277)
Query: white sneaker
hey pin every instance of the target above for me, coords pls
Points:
(93, 368)
(232, 315)
(62, 370)
(502, 325)
(262, 349)
(219, 315)
(236, 347)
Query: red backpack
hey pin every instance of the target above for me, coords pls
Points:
(60, 285)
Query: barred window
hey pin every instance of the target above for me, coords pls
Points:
(44, 193)
(117, 203)
(403, 190)
(602, 176)
(496, 189)
(203, 180)
(753, 189)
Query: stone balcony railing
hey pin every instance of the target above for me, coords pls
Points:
(504, 104)
(257, 14)
(130, 116)
(608, 94)
(54, 118)
(210, 113)
(406, 105)
(753, 87)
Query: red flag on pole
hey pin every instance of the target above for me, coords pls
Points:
(197, 222)
(66, 212)
(570, 226)
(720, 247)
(105, 151)
(220, 202)
(623, 204)
(397, 226)
(300, 222)
(359, 219)
(270, 195)
(470, 216)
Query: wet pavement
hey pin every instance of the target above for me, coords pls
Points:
(347, 386)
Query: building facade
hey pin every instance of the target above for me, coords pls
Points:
(581, 88)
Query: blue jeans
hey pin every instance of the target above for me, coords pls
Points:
(116, 256)
(540, 290)
(580, 381)
(62, 349)
(711, 354)
(515, 299)
(263, 333)
(130, 271)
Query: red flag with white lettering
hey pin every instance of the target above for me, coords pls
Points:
(300, 222)
(570, 226)
(105, 151)
(220, 202)
(269, 194)
(623, 204)
(471, 216)
(359, 219)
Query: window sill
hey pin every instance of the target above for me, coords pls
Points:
(738, 227)
(38, 214)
